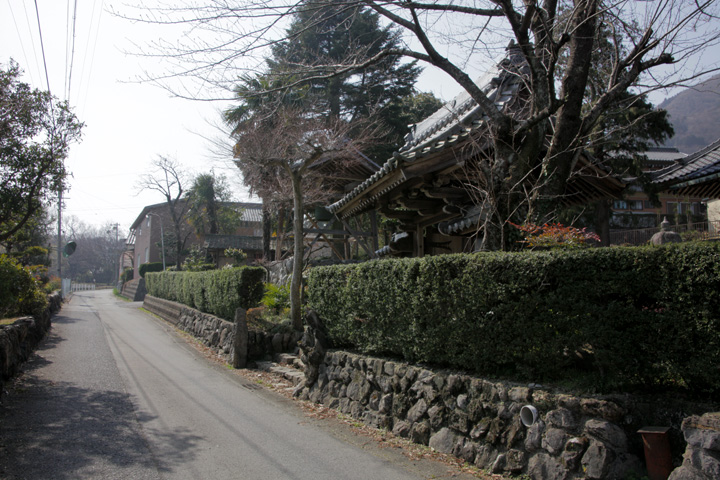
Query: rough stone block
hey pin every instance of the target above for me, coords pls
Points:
(519, 394)
(554, 441)
(561, 418)
(486, 456)
(499, 464)
(687, 473)
(445, 440)
(420, 433)
(703, 431)
(514, 433)
(401, 428)
(573, 452)
(468, 451)
(597, 460)
(704, 460)
(417, 411)
(437, 415)
(544, 467)
(534, 435)
(593, 407)
(458, 421)
(385, 404)
(515, 461)
(608, 433)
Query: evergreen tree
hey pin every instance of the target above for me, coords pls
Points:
(331, 32)
(209, 211)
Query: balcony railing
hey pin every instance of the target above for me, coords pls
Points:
(702, 231)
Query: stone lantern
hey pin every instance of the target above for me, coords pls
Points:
(665, 235)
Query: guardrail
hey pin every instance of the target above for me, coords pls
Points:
(81, 287)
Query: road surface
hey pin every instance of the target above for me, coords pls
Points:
(114, 392)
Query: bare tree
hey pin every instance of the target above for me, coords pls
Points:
(167, 177)
(654, 44)
(283, 150)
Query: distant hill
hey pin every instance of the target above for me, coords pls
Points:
(695, 115)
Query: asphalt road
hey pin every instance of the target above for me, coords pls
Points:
(114, 392)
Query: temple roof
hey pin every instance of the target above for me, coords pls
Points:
(697, 174)
(447, 127)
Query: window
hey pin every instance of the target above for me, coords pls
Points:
(648, 205)
(620, 205)
(635, 204)
(148, 221)
(147, 254)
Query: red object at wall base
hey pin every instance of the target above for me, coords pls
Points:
(658, 458)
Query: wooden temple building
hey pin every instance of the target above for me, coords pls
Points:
(426, 185)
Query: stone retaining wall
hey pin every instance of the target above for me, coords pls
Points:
(702, 456)
(218, 333)
(18, 340)
(134, 290)
(479, 420)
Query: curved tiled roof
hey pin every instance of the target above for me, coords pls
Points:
(447, 126)
(699, 165)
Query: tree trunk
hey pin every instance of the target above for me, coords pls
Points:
(266, 232)
(280, 236)
(602, 221)
(296, 283)
(565, 142)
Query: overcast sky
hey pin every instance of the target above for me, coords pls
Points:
(127, 124)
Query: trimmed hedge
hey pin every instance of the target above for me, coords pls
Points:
(150, 267)
(218, 292)
(617, 317)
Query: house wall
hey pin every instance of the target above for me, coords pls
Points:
(636, 210)
(713, 211)
(143, 242)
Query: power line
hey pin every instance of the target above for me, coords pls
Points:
(42, 46)
(32, 41)
(92, 57)
(22, 45)
(72, 52)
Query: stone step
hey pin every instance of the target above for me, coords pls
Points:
(293, 375)
(284, 358)
(290, 360)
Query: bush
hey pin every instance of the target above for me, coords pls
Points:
(236, 254)
(219, 292)
(276, 298)
(197, 260)
(20, 293)
(127, 275)
(149, 267)
(622, 317)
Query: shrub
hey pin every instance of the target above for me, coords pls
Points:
(53, 284)
(127, 275)
(149, 267)
(555, 235)
(622, 317)
(219, 292)
(276, 298)
(236, 254)
(19, 291)
(197, 260)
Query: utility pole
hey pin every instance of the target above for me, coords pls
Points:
(116, 247)
(59, 236)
